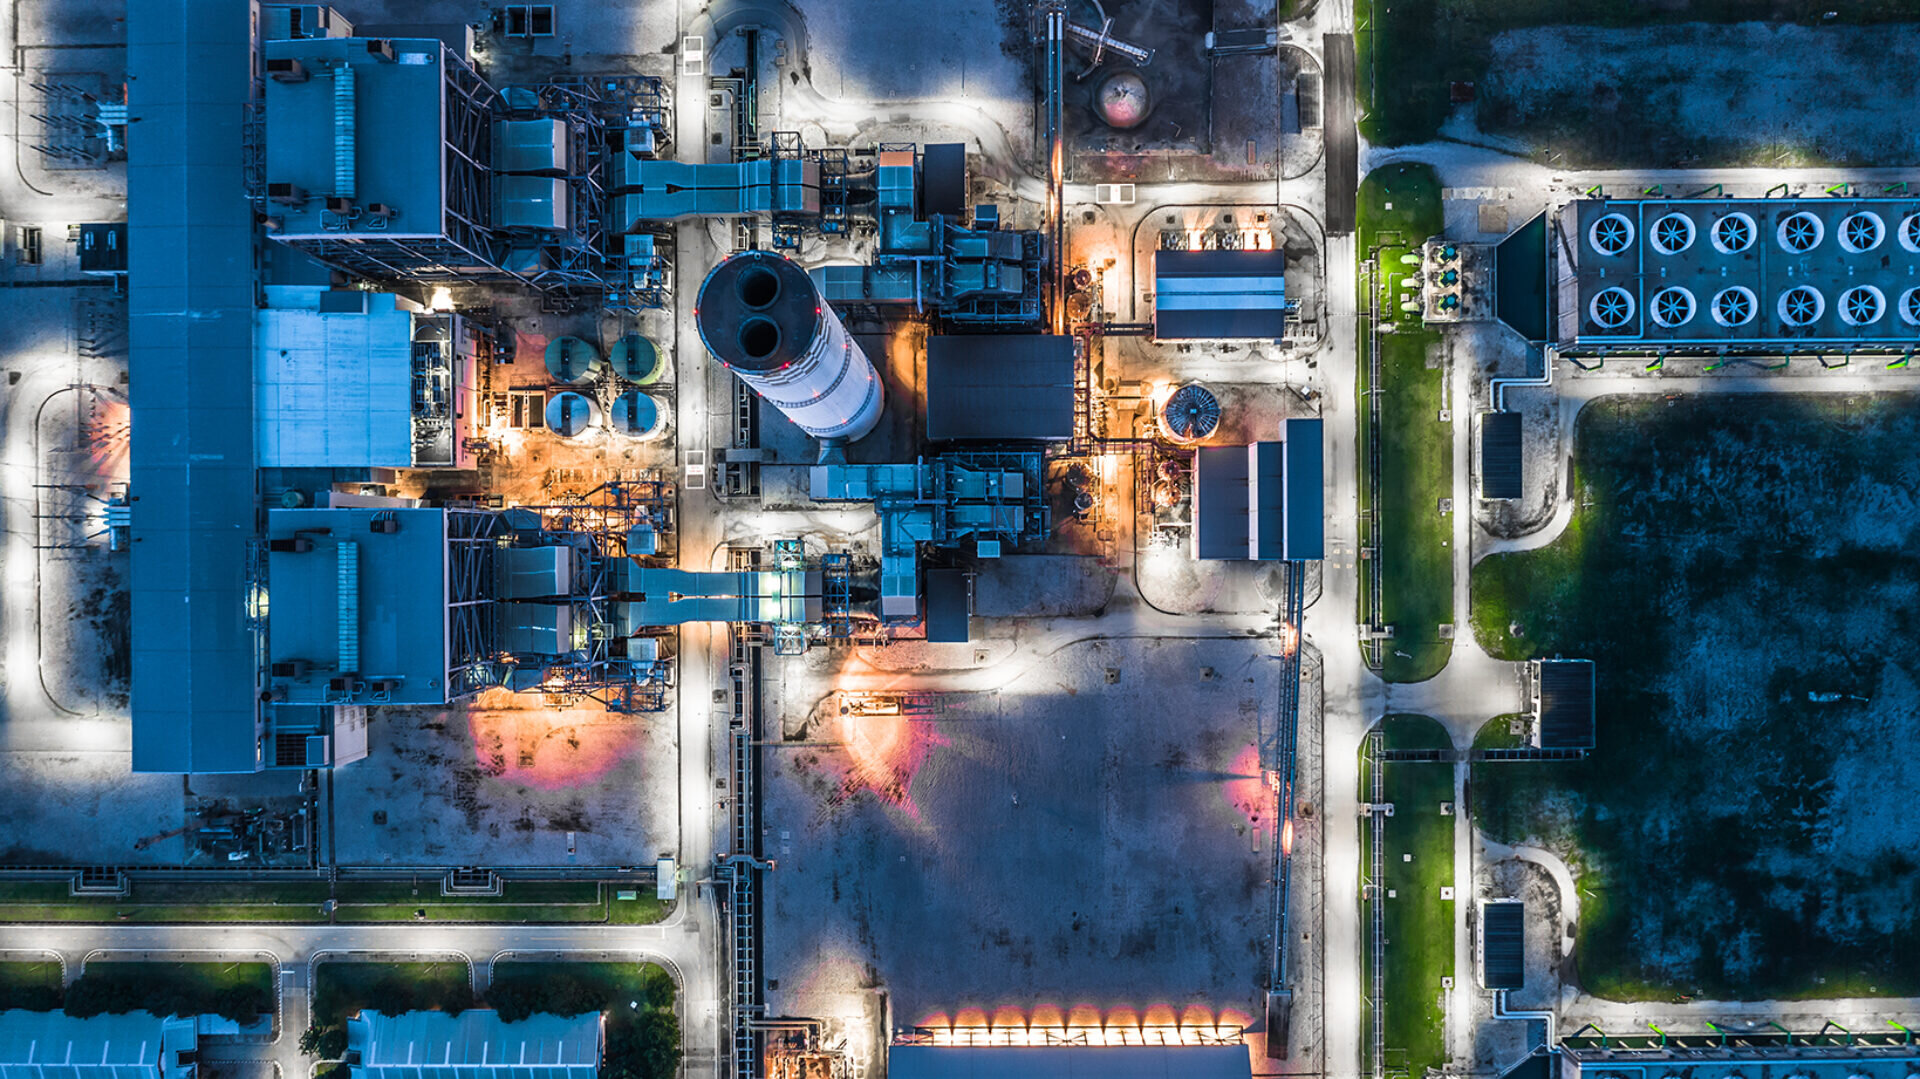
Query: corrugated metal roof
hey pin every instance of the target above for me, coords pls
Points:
(1219, 294)
(1566, 703)
(1220, 502)
(475, 1044)
(1503, 944)
(1000, 387)
(1070, 1062)
(55, 1045)
(947, 606)
(191, 299)
(943, 178)
(1306, 491)
(1500, 454)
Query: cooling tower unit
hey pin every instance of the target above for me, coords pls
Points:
(762, 319)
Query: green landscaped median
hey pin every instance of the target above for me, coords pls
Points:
(239, 991)
(1417, 848)
(1399, 209)
(32, 986)
(354, 901)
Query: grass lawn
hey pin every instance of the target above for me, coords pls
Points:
(1399, 208)
(1743, 570)
(643, 1030)
(33, 986)
(342, 988)
(242, 991)
(358, 901)
(1409, 51)
(1419, 924)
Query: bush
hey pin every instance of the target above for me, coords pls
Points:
(327, 1043)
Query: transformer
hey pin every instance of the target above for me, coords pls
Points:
(762, 318)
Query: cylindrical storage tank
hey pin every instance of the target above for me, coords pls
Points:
(1191, 413)
(570, 414)
(639, 415)
(571, 361)
(637, 360)
(1122, 100)
(761, 317)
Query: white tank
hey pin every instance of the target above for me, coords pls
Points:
(761, 317)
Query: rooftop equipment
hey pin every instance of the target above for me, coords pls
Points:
(1191, 413)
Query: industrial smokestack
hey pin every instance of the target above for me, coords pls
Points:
(762, 318)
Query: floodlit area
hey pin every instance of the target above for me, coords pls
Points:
(849, 539)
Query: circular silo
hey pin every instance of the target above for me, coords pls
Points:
(572, 361)
(1191, 413)
(570, 414)
(639, 415)
(636, 359)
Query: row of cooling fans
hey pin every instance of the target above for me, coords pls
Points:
(1734, 232)
(1802, 305)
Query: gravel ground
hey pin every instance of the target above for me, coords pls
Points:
(1084, 835)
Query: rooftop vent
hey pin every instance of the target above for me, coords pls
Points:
(1673, 234)
(1733, 233)
(1801, 232)
(1862, 305)
(1734, 306)
(1611, 308)
(1862, 232)
(1611, 235)
(1673, 306)
(1801, 305)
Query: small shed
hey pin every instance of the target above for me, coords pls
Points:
(1503, 943)
(947, 606)
(1500, 448)
(1563, 696)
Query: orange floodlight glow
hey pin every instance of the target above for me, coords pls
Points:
(1247, 791)
(1286, 838)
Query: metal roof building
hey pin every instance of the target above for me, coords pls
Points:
(1070, 1062)
(949, 605)
(350, 604)
(1503, 944)
(1219, 294)
(1264, 501)
(1500, 455)
(190, 305)
(1736, 274)
(475, 1044)
(1563, 696)
(133, 1045)
(1734, 1050)
(377, 155)
(1004, 388)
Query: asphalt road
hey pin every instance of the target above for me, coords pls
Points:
(1343, 139)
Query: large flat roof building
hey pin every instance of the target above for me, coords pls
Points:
(191, 301)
